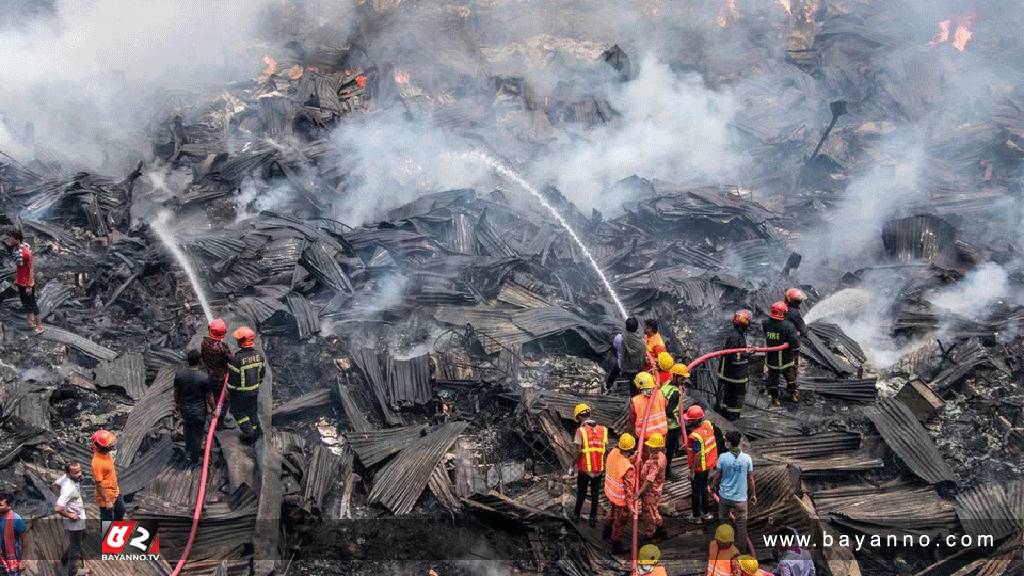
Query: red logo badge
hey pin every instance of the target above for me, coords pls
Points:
(130, 539)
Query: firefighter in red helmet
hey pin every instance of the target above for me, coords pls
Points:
(245, 374)
(733, 373)
(216, 357)
(782, 363)
(794, 298)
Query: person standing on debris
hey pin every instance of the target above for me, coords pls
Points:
(12, 538)
(71, 507)
(245, 374)
(591, 440)
(750, 567)
(192, 394)
(701, 459)
(652, 478)
(733, 372)
(723, 554)
(652, 339)
(673, 392)
(25, 278)
(647, 561)
(794, 298)
(793, 559)
(216, 357)
(734, 482)
(656, 421)
(104, 476)
(630, 354)
(619, 488)
(781, 364)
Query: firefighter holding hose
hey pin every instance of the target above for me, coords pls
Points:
(245, 374)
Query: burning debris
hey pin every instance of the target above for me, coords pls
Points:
(436, 220)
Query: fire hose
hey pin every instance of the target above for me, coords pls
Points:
(643, 434)
(201, 496)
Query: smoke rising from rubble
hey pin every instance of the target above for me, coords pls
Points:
(973, 296)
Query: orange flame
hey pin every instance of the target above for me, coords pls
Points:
(295, 72)
(401, 77)
(727, 14)
(271, 68)
(361, 81)
(786, 6)
(960, 36)
(943, 35)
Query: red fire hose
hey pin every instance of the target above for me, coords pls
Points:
(643, 434)
(201, 497)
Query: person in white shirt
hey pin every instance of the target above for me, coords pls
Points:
(72, 508)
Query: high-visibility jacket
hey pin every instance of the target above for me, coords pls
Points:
(246, 371)
(658, 571)
(707, 456)
(616, 469)
(657, 421)
(592, 446)
(667, 390)
(722, 562)
(655, 345)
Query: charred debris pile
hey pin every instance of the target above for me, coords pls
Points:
(425, 365)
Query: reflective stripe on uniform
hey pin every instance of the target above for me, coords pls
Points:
(241, 376)
(591, 447)
(657, 421)
(615, 477)
(705, 437)
(243, 420)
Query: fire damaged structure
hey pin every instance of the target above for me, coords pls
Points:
(424, 362)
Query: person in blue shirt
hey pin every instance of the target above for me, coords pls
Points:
(12, 538)
(734, 482)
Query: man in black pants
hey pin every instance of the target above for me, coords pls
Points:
(591, 439)
(630, 354)
(192, 394)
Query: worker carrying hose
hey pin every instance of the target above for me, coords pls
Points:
(733, 369)
(591, 440)
(722, 553)
(781, 363)
(657, 421)
(619, 488)
(193, 393)
(652, 478)
(245, 374)
(648, 561)
(216, 357)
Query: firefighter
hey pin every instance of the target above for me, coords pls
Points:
(782, 363)
(701, 458)
(591, 440)
(673, 391)
(620, 490)
(647, 561)
(750, 567)
(794, 298)
(245, 374)
(652, 478)
(664, 372)
(652, 338)
(723, 554)
(733, 372)
(216, 357)
(192, 395)
(656, 419)
(104, 476)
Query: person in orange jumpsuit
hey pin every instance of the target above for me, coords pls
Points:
(104, 476)
(619, 488)
(652, 478)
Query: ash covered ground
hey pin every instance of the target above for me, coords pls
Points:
(430, 325)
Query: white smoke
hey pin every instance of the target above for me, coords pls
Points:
(972, 296)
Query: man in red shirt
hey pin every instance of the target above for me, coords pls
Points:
(25, 277)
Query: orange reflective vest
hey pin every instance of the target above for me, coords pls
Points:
(707, 458)
(658, 571)
(615, 477)
(593, 440)
(657, 421)
(655, 345)
(722, 562)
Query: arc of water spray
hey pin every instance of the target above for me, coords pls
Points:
(160, 228)
(514, 176)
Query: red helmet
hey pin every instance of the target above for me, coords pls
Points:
(245, 336)
(218, 328)
(695, 412)
(795, 295)
(741, 318)
(779, 310)
(104, 438)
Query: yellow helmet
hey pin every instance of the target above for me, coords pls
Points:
(579, 409)
(648, 555)
(655, 440)
(665, 361)
(644, 381)
(748, 564)
(681, 370)
(725, 534)
(627, 441)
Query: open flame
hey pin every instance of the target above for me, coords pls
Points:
(727, 14)
(271, 66)
(295, 72)
(961, 35)
(401, 77)
(786, 6)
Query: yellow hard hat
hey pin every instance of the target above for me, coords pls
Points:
(655, 440)
(748, 564)
(579, 409)
(649, 555)
(644, 381)
(725, 534)
(627, 442)
(681, 370)
(665, 361)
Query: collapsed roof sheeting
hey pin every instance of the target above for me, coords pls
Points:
(53, 295)
(82, 344)
(904, 434)
(996, 508)
(409, 380)
(862, 390)
(887, 509)
(923, 237)
(307, 320)
(374, 446)
(322, 469)
(399, 484)
(155, 405)
(369, 363)
(127, 372)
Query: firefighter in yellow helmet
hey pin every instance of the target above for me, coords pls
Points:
(722, 553)
(652, 483)
(656, 420)
(648, 561)
(591, 440)
(620, 490)
(750, 567)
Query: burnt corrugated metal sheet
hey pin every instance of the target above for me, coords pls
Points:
(306, 318)
(491, 240)
(409, 380)
(156, 404)
(52, 297)
(551, 320)
(374, 446)
(897, 507)
(127, 372)
(321, 259)
(368, 362)
(82, 344)
(996, 508)
(865, 391)
(441, 487)
(920, 237)
(904, 434)
(13, 443)
(607, 410)
(399, 484)
(322, 469)
(314, 399)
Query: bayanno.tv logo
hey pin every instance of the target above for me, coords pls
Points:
(130, 540)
